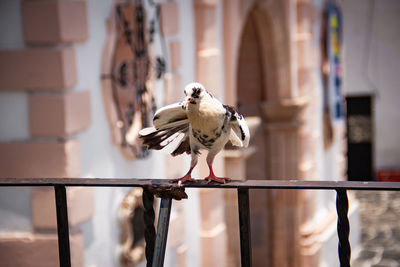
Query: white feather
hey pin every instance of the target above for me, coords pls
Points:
(168, 114)
(240, 123)
(235, 140)
(172, 124)
(147, 131)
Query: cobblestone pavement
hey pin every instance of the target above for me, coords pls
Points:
(380, 229)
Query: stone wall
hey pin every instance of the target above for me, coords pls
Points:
(45, 70)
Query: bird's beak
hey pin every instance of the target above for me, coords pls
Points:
(188, 100)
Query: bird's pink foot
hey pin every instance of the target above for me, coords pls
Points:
(184, 179)
(213, 178)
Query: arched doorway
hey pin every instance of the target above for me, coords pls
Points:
(250, 96)
(264, 90)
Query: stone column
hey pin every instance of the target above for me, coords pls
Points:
(282, 140)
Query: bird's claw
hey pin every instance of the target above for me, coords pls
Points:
(220, 180)
(184, 179)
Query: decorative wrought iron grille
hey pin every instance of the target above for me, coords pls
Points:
(129, 67)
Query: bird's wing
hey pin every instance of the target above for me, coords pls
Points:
(170, 131)
(170, 116)
(240, 133)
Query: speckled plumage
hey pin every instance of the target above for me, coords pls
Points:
(200, 122)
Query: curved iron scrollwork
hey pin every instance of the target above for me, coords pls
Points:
(131, 219)
(128, 74)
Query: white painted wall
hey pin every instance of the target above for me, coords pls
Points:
(372, 43)
(328, 164)
(325, 159)
(14, 120)
(15, 208)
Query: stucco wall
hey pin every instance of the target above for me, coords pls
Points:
(372, 41)
(14, 123)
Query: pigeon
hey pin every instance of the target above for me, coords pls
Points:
(200, 122)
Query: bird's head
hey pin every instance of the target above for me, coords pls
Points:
(194, 92)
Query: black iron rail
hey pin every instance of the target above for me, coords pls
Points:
(343, 227)
(156, 241)
(62, 225)
(244, 226)
(250, 184)
(162, 231)
(149, 231)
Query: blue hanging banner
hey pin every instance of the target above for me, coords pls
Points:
(334, 40)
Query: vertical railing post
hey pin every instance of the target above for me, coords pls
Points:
(162, 232)
(62, 226)
(244, 226)
(343, 227)
(150, 231)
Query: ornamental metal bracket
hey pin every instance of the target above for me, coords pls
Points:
(128, 72)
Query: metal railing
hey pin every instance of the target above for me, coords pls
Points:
(156, 240)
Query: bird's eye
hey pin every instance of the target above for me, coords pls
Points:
(196, 92)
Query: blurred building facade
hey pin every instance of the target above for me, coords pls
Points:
(372, 56)
(61, 117)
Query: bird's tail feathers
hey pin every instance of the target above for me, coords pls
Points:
(171, 140)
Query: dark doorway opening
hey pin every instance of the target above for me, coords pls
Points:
(360, 138)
